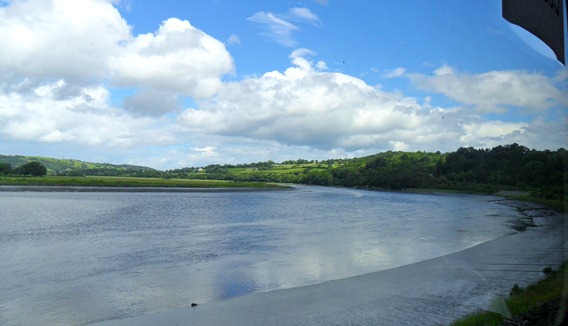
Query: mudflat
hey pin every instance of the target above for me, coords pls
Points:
(430, 292)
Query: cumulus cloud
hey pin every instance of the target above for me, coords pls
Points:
(178, 58)
(87, 42)
(53, 65)
(491, 131)
(546, 134)
(538, 133)
(59, 38)
(279, 27)
(493, 91)
(151, 103)
(306, 106)
(84, 118)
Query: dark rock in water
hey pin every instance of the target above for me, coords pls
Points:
(194, 304)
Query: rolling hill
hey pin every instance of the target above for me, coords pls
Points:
(76, 167)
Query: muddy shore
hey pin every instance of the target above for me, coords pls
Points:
(431, 292)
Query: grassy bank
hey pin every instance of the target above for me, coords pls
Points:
(537, 301)
(97, 181)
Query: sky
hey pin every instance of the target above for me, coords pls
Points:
(171, 84)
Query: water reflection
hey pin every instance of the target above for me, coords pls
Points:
(75, 258)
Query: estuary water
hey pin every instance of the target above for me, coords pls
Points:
(81, 257)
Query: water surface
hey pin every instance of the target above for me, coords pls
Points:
(77, 258)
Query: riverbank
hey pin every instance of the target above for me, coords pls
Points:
(96, 183)
(436, 291)
(134, 189)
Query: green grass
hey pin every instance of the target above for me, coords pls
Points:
(96, 181)
(481, 318)
(522, 300)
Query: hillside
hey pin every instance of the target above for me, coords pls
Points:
(509, 167)
(75, 167)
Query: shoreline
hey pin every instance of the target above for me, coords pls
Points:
(8, 188)
(434, 291)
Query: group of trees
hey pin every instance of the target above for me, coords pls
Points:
(509, 166)
(32, 169)
(391, 170)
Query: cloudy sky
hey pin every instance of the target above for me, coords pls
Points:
(171, 84)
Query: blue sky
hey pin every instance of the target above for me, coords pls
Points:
(188, 83)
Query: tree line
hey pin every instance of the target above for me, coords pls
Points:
(486, 170)
(514, 166)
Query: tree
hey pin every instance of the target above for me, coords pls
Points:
(5, 168)
(32, 168)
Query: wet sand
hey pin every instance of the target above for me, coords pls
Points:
(431, 292)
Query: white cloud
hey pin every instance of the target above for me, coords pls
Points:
(486, 132)
(278, 26)
(492, 91)
(84, 118)
(304, 14)
(543, 134)
(538, 133)
(306, 107)
(59, 38)
(321, 65)
(299, 59)
(87, 42)
(151, 103)
(233, 39)
(394, 73)
(177, 58)
(561, 75)
(206, 149)
(399, 145)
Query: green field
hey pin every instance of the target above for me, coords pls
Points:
(97, 181)
(276, 169)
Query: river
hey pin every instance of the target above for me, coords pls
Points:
(82, 257)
